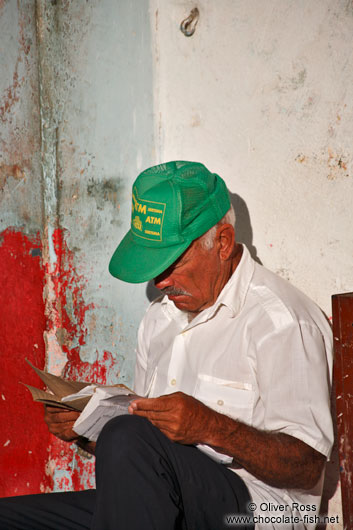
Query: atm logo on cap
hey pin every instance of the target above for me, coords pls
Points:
(137, 206)
(147, 218)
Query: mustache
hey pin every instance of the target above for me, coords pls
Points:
(173, 291)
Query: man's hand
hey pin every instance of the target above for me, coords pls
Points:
(60, 422)
(180, 417)
(278, 459)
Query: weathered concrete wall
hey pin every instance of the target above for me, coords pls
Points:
(263, 94)
(76, 127)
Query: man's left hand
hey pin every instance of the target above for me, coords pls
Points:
(180, 417)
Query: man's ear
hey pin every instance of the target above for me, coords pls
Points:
(226, 239)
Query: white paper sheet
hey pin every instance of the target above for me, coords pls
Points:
(106, 403)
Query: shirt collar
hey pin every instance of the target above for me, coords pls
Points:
(232, 295)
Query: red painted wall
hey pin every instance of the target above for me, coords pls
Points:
(24, 437)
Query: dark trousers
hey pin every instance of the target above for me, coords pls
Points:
(144, 482)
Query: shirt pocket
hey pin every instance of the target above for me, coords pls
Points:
(229, 397)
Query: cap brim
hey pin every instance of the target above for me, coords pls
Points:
(136, 264)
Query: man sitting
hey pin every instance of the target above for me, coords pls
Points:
(235, 364)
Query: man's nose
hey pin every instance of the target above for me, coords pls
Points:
(164, 280)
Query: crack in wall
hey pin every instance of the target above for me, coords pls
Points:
(48, 48)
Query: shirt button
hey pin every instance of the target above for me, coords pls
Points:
(220, 402)
(173, 382)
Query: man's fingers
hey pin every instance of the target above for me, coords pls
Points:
(64, 432)
(60, 422)
(59, 415)
(67, 435)
(167, 430)
(150, 404)
(58, 427)
(153, 415)
(163, 421)
(53, 408)
(59, 418)
(163, 425)
(147, 404)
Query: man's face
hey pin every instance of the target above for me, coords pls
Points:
(192, 281)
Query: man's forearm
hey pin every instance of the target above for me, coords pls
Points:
(278, 459)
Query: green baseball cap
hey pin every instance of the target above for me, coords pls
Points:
(172, 205)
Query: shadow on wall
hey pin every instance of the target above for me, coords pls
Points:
(243, 229)
(243, 234)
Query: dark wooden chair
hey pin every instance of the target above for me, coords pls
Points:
(342, 318)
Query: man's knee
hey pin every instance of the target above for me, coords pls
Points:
(123, 433)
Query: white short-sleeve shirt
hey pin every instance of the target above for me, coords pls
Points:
(262, 354)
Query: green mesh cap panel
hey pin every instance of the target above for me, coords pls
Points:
(176, 202)
(204, 205)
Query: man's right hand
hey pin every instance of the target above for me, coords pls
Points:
(60, 422)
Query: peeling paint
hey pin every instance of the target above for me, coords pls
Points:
(339, 165)
(10, 171)
(11, 95)
(67, 469)
(56, 358)
(70, 309)
(51, 249)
